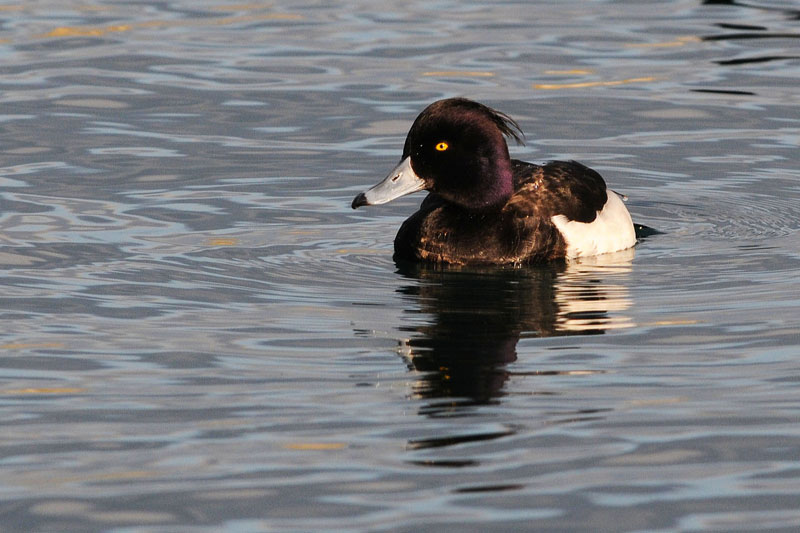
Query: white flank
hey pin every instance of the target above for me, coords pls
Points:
(611, 231)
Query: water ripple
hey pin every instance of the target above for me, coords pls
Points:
(197, 328)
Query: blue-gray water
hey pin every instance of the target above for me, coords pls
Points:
(198, 334)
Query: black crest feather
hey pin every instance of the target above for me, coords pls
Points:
(507, 125)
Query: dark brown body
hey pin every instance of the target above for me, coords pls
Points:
(521, 231)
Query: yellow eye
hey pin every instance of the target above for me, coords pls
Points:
(442, 146)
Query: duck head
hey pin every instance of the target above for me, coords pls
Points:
(457, 149)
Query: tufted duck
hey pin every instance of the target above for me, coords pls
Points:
(484, 207)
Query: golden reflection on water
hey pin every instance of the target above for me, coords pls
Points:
(43, 390)
(30, 345)
(680, 41)
(584, 84)
(99, 31)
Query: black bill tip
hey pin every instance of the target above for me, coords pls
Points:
(359, 200)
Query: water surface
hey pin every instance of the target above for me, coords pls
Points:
(198, 334)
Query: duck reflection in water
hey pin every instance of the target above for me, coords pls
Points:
(472, 319)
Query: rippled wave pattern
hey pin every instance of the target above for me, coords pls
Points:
(199, 334)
